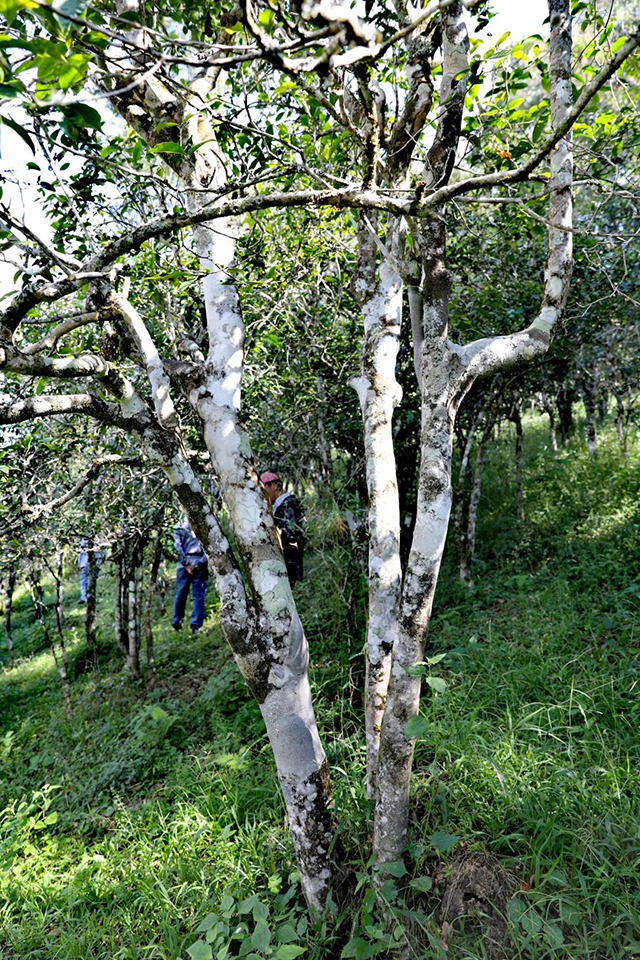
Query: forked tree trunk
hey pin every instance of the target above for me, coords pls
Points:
(445, 373)
(11, 584)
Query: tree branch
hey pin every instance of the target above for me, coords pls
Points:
(63, 404)
(495, 353)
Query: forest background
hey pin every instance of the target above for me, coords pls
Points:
(141, 812)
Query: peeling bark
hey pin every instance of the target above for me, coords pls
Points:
(379, 393)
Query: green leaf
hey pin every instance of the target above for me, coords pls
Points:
(416, 726)
(261, 936)
(20, 130)
(247, 905)
(168, 146)
(357, 947)
(437, 684)
(207, 923)
(12, 89)
(82, 115)
(422, 884)
(443, 841)
(396, 868)
(286, 933)
(10, 8)
(289, 951)
(200, 951)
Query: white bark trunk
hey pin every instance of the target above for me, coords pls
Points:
(403, 698)
(269, 643)
(379, 393)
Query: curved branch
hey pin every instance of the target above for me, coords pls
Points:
(490, 354)
(50, 340)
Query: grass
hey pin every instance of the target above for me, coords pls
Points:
(155, 811)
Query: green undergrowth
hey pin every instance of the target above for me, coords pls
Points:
(150, 825)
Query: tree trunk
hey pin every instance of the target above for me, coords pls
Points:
(60, 660)
(403, 697)
(517, 419)
(59, 578)
(588, 395)
(11, 583)
(90, 617)
(151, 589)
(466, 558)
(379, 393)
(620, 420)
(565, 412)
(120, 609)
(547, 406)
(603, 405)
(461, 502)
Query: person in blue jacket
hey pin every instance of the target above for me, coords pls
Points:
(192, 573)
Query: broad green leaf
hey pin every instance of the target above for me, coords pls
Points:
(207, 923)
(289, 951)
(261, 936)
(436, 683)
(200, 951)
(443, 841)
(10, 8)
(168, 146)
(416, 726)
(20, 130)
(396, 868)
(286, 933)
(422, 884)
(358, 948)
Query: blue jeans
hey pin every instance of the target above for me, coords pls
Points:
(198, 581)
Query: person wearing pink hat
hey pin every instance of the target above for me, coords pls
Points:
(289, 517)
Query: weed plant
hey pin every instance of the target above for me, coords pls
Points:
(150, 825)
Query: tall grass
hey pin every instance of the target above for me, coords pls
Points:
(144, 827)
